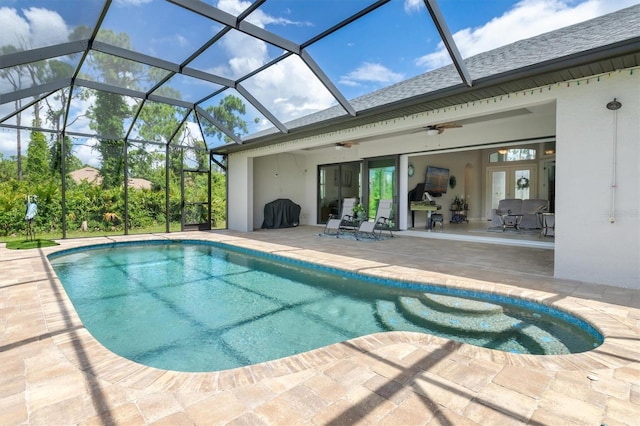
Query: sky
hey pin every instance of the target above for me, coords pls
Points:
(395, 42)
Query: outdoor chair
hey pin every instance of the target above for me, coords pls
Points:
(382, 222)
(336, 224)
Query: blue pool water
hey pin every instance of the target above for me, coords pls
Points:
(196, 306)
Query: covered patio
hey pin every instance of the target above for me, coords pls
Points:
(54, 372)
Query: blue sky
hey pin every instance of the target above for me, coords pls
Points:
(395, 42)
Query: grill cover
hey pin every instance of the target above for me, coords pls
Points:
(281, 213)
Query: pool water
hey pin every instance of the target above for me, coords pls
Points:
(193, 306)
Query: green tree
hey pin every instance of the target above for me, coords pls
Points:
(55, 157)
(14, 76)
(109, 111)
(8, 168)
(229, 112)
(37, 166)
(107, 116)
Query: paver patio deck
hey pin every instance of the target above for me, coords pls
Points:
(52, 371)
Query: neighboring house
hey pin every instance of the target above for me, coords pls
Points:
(552, 93)
(93, 177)
(139, 183)
(89, 174)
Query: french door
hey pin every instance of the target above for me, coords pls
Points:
(511, 182)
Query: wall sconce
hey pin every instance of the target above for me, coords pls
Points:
(502, 151)
(549, 151)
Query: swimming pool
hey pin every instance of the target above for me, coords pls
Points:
(201, 306)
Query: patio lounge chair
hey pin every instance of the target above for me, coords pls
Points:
(336, 224)
(381, 223)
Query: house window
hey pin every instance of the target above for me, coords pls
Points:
(512, 154)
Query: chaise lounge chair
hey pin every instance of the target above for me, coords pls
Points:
(336, 224)
(381, 223)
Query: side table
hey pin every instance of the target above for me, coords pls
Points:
(458, 216)
(548, 225)
(510, 220)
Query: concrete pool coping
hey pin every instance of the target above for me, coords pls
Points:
(53, 369)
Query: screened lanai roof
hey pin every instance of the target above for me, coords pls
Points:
(231, 72)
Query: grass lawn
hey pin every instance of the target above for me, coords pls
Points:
(30, 244)
(42, 236)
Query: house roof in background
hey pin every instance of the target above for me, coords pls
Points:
(92, 176)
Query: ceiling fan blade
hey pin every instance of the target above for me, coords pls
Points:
(448, 125)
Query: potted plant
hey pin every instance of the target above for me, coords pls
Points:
(359, 212)
(457, 203)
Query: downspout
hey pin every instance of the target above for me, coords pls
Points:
(614, 106)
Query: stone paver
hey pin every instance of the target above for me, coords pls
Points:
(52, 371)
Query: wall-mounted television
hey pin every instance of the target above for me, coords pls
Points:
(436, 180)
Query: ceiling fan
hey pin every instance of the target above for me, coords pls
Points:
(436, 129)
(341, 145)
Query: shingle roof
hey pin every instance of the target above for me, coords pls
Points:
(546, 49)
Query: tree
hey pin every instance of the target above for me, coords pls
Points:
(8, 168)
(229, 112)
(110, 110)
(55, 157)
(14, 76)
(37, 166)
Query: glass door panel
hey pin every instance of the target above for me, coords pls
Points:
(382, 174)
(522, 184)
(510, 182)
(335, 183)
(498, 187)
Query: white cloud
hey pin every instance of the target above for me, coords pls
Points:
(14, 30)
(47, 27)
(412, 5)
(87, 153)
(289, 90)
(257, 17)
(234, 7)
(132, 2)
(246, 53)
(9, 137)
(371, 73)
(36, 27)
(526, 19)
(9, 144)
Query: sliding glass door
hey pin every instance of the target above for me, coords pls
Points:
(382, 174)
(335, 183)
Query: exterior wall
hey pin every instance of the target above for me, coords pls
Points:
(588, 247)
(240, 193)
(281, 176)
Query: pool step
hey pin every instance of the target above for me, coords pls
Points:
(460, 305)
(492, 331)
(388, 315)
(451, 321)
